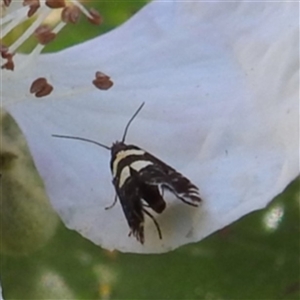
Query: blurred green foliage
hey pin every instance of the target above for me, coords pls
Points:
(246, 260)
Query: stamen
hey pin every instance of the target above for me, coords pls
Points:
(55, 3)
(38, 49)
(9, 65)
(45, 12)
(10, 21)
(70, 14)
(102, 81)
(81, 7)
(44, 34)
(95, 18)
(7, 2)
(34, 5)
(3, 49)
(40, 87)
(11, 18)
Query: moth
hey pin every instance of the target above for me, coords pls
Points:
(139, 179)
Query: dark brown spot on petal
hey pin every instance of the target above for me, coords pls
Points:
(102, 81)
(44, 34)
(6, 2)
(40, 87)
(70, 14)
(95, 18)
(55, 3)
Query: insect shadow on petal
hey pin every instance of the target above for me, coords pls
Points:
(139, 179)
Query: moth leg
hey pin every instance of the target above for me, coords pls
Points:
(155, 222)
(113, 204)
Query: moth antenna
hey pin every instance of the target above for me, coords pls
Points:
(81, 139)
(131, 119)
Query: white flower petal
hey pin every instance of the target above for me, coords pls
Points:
(220, 82)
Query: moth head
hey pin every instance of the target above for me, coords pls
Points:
(116, 147)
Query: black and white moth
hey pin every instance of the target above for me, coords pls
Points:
(139, 179)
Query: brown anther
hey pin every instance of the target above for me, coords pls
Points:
(102, 81)
(70, 14)
(34, 5)
(3, 49)
(9, 65)
(40, 87)
(32, 9)
(6, 2)
(55, 3)
(31, 2)
(44, 34)
(6, 55)
(95, 18)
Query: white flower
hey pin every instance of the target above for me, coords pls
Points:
(220, 83)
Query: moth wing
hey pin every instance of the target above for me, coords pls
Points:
(161, 174)
(132, 207)
(149, 192)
